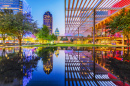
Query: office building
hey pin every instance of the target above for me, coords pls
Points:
(57, 32)
(48, 20)
(16, 6)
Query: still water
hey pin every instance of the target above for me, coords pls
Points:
(64, 66)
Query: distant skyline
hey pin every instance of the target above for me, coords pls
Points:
(56, 7)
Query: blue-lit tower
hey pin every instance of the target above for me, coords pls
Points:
(16, 6)
(47, 20)
(57, 32)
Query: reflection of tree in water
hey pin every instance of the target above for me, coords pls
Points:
(120, 68)
(14, 68)
(47, 57)
(57, 53)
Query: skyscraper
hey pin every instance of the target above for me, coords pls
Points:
(57, 32)
(16, 6)
(47, 20)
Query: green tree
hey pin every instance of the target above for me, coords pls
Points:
(52, 37)
(21, 24)
(43, 33)
(71, 40)
(66, 38)
(88, 36)
(61, 38)
(5, 20)
(120, 23)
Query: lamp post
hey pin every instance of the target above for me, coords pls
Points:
(94, 28)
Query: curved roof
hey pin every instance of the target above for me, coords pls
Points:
(48, 13)
(79, 35)
(57, 30)
(29, 35)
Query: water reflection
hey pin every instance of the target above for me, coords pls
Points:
(70, 66)
(47, 57)
(16, 68)
(87, 66)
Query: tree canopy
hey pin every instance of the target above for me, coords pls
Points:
(15, 24)
(120, 23)
(6, 17)
(43, 34)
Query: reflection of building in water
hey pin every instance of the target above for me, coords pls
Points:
(57, 53)
(48, 66)
(29, 54)
(80, 69)
(27, 77)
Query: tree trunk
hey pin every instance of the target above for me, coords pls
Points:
(20, 52)
(128, 45)
(3, 41)
(3, 36)
(14, 39)
(3, 53)
(20, 40)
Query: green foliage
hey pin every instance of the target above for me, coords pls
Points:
(52, 37)
(65, 39)
(61, 38)
(21, 24)
(15, 24)
(120, 23)
(6, 17)
(71, 40)
(43, 33)
(88, 36)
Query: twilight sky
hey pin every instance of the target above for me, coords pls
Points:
(56, 8)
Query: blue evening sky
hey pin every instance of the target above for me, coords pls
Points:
(56, 7)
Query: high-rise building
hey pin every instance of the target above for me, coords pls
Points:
(57, 32)
(47, 20)
(16, 6)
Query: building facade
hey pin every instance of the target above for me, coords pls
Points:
(16, 6)
(48, 20)
(57, 32)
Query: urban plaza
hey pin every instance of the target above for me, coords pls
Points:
(64, 42)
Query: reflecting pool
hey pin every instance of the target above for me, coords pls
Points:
(64, 66)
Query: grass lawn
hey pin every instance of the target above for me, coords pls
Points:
(72, 45)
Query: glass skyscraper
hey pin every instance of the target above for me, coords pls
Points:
(16, 6)
(47, 20)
